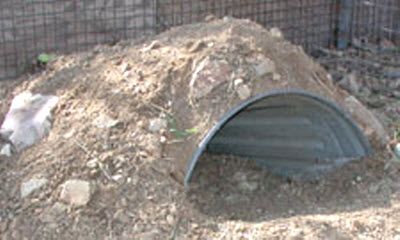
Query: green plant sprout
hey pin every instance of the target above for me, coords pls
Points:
(45, 58)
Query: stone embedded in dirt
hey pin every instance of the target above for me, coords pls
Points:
(276, 32)
(243, 183)
(196, 46)
(349, 82)
(76, 192)
(371, 126)
(207, 75)
(119, 178)
(248, 186)
(54, 213)
(92, 163)
(32, 185)
(153, 45)
(170, 219)
(157, 124)
(264, 66)
(243, 91)
(125, 67)
(6, 150)
(276, 77)
(238, 82)
(210, 18)
(105, 121)
(120, 215)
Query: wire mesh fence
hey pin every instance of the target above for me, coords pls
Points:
(28, 28)
(304, 22)
(376, 19)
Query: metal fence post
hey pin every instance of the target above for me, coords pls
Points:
(345, 17)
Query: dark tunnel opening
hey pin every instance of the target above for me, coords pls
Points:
(293, 133)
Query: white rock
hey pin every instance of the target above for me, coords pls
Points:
(125, 67)
(349, 82)
(276, 32)
(118, 178)
(248, 186)
(243, 92)
(157, 124)
(264, 67)
(6, 150)
(76, 192)
(237, 82)
(92, 163)
(276, 77)
(397, 150)
(105, 121)
(153, 45)
(226, 18)
(29, 119)
(32, 185)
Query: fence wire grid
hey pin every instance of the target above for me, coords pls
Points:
(29, 28)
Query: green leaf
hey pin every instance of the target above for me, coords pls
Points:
(192, 130)
(45, 58)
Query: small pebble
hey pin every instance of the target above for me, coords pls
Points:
(157, 125)
(243, 92)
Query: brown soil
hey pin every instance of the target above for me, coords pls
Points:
(230, 198)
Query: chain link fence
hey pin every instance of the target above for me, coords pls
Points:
(31, 27)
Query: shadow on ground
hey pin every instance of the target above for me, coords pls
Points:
(237, 189)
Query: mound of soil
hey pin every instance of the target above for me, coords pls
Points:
(131, 115)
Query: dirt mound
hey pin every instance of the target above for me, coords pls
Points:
(130, 113)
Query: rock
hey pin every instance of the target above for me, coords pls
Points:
(207, 75)
(276, 77)
(358, 179)
(5, 135)
(157, 124)
(237, 82)
(370, 125)
(163, 139)
(244, 92)
(105, 121)
(244, 184)
(153, 45)
(248, 186)
(226, 18)
(32, 185)
(397, 150)
(76, 192)
(264, 67)
(92, 163)
(210, 18)
(28, 119)
(125, 67)
(170, 220)
(54, 213)
(120, 215)
(349, 82)
(119, 178)
(6, 150)
(276, 32)
(197, 46)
